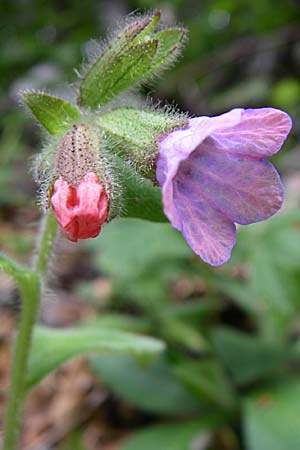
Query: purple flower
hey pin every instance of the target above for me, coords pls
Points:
(213, 173)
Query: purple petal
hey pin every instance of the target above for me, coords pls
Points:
(177, 147)
(260, 133)
(245, 190)
(213, 173)
(207, 231)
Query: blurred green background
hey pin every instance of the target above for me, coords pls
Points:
(230, 377)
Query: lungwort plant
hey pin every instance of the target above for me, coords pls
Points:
(104, 158)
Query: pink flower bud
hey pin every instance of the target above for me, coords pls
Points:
(82, 209)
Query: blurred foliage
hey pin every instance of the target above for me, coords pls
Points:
(229, 378)
(274, 408)
(226, 344)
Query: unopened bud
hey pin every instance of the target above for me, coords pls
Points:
(80, 210)
(80, 194)
(77, 153)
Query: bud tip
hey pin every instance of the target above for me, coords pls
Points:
(80, 210)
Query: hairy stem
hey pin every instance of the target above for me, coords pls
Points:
(30, 289)
(49, 227)
(30, 298)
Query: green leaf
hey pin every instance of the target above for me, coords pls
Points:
(180, 332)
(285, 250)
(152, 388)
(149, 290)
(11, 268)
(176, 436)
(269, 282)
(26, 279)
(51, 347)
(276, 290)
(194, 311)
(271, 418)
(113, 72)
(270, 291)
(128, 246)
(247, 358)
(272, 249)
(135, 54)
(118, 321)
(138, 28)
(170, 43)
(207, 380)
(141, 258)
(152, 22)
(55, 114)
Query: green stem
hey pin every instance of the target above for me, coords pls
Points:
(48, 234)
(30, 289)
(30, 299)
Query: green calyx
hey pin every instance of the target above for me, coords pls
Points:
(120, 146)
(133, 133)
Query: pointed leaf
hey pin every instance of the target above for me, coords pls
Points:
(152, 388)
(51, 347)
(153, 20)
(207, 380)
(55, 114)
(11, 268)
(119, 321)
(171, 42)
(248, 358)
(183, 333)
(26, 279)
(113, 72)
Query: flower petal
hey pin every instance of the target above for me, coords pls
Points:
(207, 231)
(92, 209)
(213, 172)
(260, 132)
(80, 210)
(178, 145)
(244, 189)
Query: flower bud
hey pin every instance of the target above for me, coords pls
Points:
(80, 195)
(80, 210)
(137, 52)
